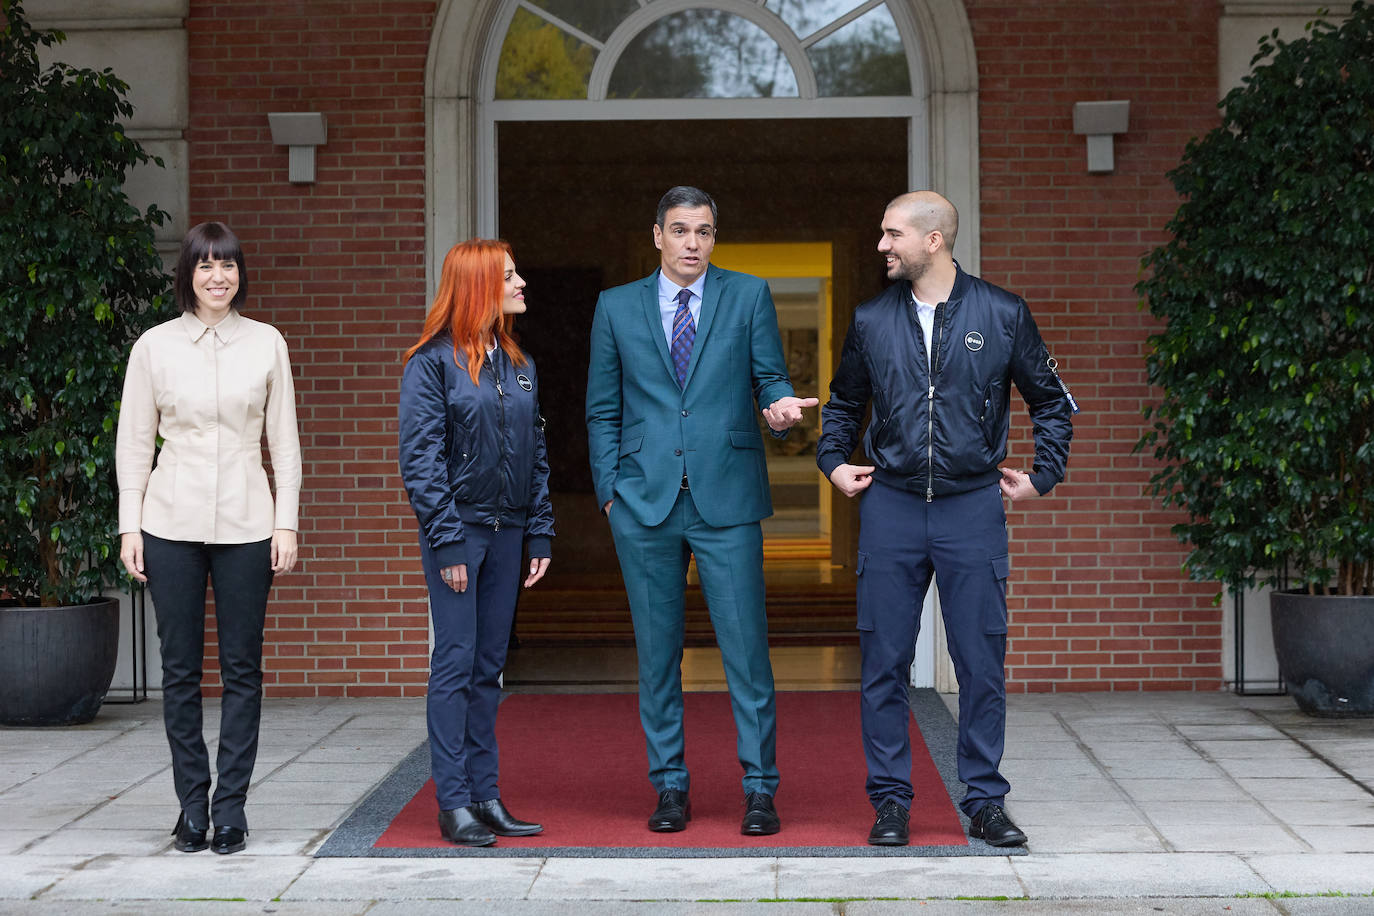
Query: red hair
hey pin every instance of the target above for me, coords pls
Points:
(472, 286)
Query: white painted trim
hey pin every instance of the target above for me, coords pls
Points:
(646, 16)
(690, 109)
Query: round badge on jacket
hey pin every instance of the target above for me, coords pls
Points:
(525, 383)
(974, 341)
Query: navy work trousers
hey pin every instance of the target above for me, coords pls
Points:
(962, 540)
(471, 634)
(241, 575)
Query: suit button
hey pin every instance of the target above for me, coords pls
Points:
(684, 413)
(677, 451)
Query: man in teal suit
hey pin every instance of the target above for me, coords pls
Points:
(678, 362)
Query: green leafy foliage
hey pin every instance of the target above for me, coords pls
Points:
(80, 279)
(1266, 291)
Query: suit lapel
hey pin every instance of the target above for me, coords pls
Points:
(710, 301)
(648, 296)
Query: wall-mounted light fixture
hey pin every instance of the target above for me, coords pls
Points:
(1100, 120)
(301, 132)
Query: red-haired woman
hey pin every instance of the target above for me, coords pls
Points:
(474, 464)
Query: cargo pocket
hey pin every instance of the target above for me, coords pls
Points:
(996, 606)
(861, 595)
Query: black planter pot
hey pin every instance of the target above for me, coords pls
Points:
(1325, 645)
(56, 663)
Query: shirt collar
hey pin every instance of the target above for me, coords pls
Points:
(667, 289)
(195, 328)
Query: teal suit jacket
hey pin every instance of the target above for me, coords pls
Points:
(644, 433)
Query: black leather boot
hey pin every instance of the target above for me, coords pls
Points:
(500, 821)
(462, 827)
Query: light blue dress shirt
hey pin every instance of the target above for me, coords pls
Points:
(667, 302)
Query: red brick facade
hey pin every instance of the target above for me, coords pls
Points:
(1098, 601)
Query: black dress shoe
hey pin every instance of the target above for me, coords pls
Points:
(189, 837)
(992, 825)
(228, 839)
(673, 812)
(461, 826)
(890, 827)
(500, 822)
(760, 817)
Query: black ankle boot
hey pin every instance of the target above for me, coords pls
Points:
(462, 827)
(500, 821)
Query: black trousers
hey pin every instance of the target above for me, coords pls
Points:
(241, 574)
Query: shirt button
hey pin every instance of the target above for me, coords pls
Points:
(677, 451)
(684, 413)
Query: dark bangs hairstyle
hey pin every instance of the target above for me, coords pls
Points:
(208, 242)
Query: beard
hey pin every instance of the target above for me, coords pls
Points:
(910, 271)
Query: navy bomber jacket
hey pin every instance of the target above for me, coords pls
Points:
(942, 429)
(474, 454)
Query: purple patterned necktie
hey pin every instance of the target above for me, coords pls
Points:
(684, 335)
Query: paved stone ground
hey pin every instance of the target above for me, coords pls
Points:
(1135, 804)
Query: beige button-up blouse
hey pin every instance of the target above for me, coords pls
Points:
(209, 392)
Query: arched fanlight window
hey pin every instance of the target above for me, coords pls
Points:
(701, 49)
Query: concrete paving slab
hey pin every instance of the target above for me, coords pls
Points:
(22, 876)
(1227, 732)
(415, 879)
(1072, 814)
(290, 792)
(180, 908)
(331, 772)
(80, 841)
(1311, 812)
(1090, 838)
(602, 908)
(1237, 814)
(1145, 768)
(1061, 767)
(38, 814)
(132, 815)
(1143, 790)
(1082, 790)
(1337, 838)
(1275, 767)
(13, 841)
(1121, 751)
(1327, 906)
(294, 817)
(1154, 907)
(1283, 789)
(199, 876)
(1136, 875)
(1278, 746)
(905, 878)
(1228, 837)
(1345, 873)
(658, 879)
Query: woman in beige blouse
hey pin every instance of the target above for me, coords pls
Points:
(209, 383)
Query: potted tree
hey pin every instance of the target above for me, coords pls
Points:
(80, 278)
(1266, 355)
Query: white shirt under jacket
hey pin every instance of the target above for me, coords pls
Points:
(210, 393)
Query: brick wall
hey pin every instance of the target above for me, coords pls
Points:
(338, 267)
(1097, 599)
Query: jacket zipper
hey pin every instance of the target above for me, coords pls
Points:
(501, 428)
(930, 407)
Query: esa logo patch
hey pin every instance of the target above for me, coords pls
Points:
(974, 341)
(524, 381)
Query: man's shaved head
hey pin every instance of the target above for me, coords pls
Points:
(926, 211)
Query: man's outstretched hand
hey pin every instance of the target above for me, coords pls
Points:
(785, 413)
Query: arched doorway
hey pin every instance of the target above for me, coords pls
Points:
(557, 123)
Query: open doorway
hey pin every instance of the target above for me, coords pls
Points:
(576, 200)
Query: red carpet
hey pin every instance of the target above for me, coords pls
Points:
(576, 763)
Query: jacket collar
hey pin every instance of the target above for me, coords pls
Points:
(710, 299)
